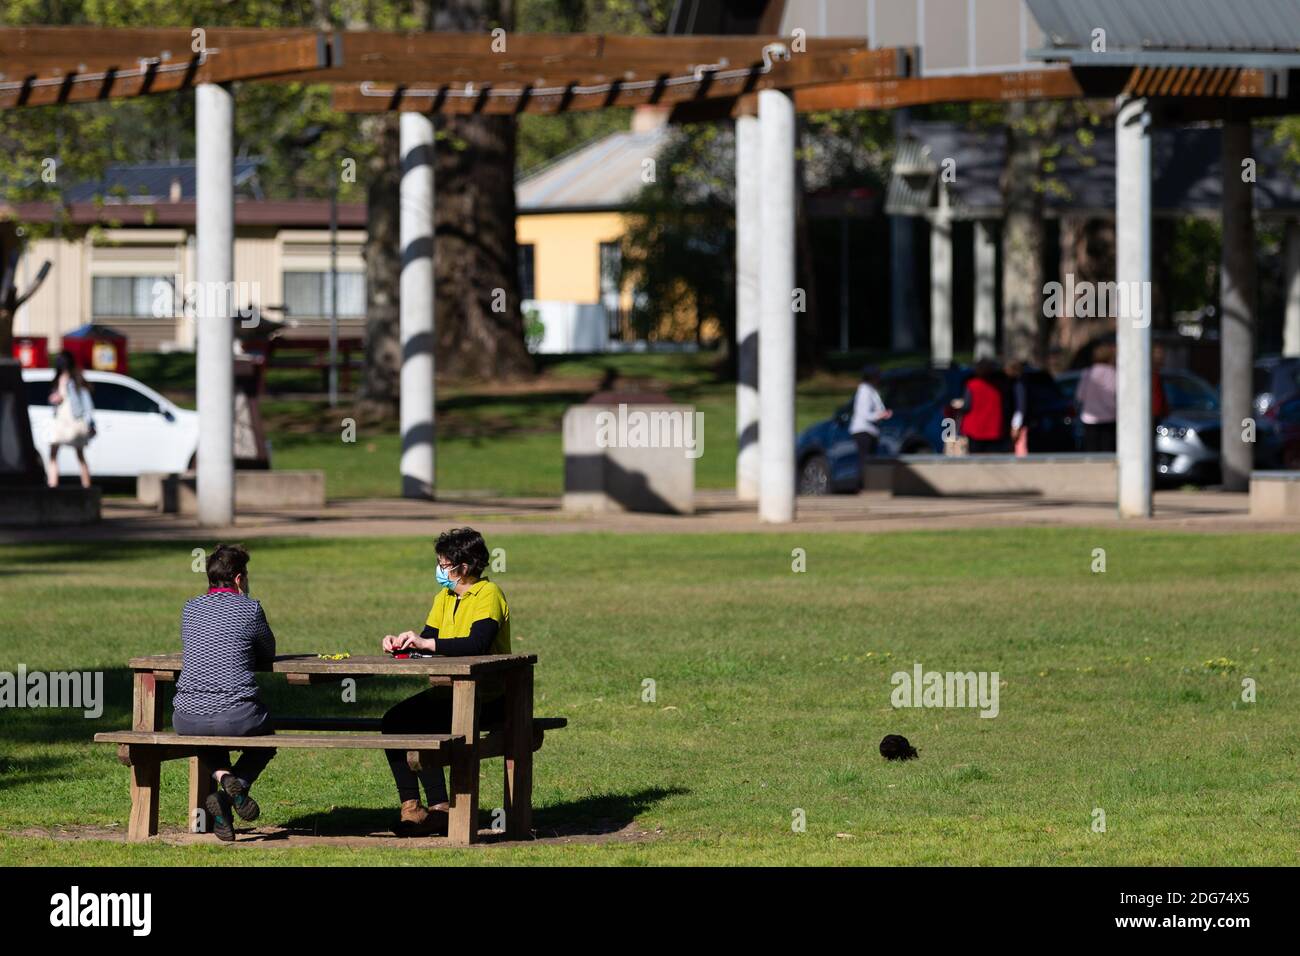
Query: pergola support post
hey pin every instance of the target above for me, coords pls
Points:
(1236, 309)
(986, 281)
(214, 304)
(416, 306)
(941, 282)
(1135, 438)
(748, 249)
(776, 340)
(1291, 323)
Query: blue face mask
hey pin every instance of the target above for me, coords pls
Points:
(444, 579)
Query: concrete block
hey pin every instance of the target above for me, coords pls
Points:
(254, 491)
(1275, 494)
(1073, 477)
(631, 457)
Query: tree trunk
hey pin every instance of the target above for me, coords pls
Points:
(478, 322)
(480, 328)
(383, 362)
(1022, 239)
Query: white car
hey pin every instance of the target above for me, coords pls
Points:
(136, 429)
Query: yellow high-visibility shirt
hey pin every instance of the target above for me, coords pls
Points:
(453, 617)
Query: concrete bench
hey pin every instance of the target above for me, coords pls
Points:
(1275, 494)
(143, 751)
(254, 490)
(1067, 475)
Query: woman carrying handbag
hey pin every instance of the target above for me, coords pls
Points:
(74, 422)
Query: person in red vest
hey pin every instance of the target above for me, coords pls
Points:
(1159, 402)
(982, 421)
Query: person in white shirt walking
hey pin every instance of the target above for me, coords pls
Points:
(868, 409)
(74, 417)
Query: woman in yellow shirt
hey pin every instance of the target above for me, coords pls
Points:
(469, 616)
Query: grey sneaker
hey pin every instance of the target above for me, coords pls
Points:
(218, 807)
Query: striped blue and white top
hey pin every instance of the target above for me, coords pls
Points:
(224, 637)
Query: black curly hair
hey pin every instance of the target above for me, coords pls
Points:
(463, 546)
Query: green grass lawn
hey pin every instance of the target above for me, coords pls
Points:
(485, 434)
(1121, 691)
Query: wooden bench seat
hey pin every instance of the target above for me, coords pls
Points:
(136, 738)
(143, 751)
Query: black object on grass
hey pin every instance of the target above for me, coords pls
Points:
(895, 747)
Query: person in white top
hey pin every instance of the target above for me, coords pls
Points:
(868, 409)
(1095, 397)
(74, 417)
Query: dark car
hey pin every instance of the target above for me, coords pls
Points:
(1276, 378)
(1187, 438)
(1277, 438)
(920, 398)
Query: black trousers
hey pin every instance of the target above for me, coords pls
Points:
(1099, 437)
(428, 712)
(867, 445)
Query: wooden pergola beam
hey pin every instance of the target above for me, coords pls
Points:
(662, 89)
(1053, 83)
(157, 73)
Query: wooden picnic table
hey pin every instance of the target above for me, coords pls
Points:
(463, 674)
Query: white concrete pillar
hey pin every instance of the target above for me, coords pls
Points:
(986, 283)
(1236, 309)
(1291, 323)
(776, 340)
(214, 305)
(416, 315)
(749, 187)
(941, 281)
(1135, 438)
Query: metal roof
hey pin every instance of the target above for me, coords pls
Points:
(1262, 34)
(603, 174)
(1185, 173)
(136, 183)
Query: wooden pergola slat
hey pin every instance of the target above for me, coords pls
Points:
(117, 78)
(681, 87)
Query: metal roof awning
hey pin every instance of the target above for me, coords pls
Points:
(1255, 34)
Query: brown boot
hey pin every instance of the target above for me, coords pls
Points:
(415, 820)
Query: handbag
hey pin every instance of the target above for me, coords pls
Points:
(68, 429)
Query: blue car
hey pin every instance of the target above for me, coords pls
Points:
(826, 455)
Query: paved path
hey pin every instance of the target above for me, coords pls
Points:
(1204, 511)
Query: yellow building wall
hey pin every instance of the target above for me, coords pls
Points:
(566, 252)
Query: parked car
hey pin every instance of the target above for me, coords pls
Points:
(1187, 439)
(1277, 437)
(827, 457)
(137, 430)
(1276, 378)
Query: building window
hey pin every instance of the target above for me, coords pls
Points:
(307, 294)
(526, 289)
(131, 297)
(611, 269)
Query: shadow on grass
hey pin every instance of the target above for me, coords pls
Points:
(22, 771)
(600, 815)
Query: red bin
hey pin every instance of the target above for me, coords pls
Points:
(32, 351)
(97, 347)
